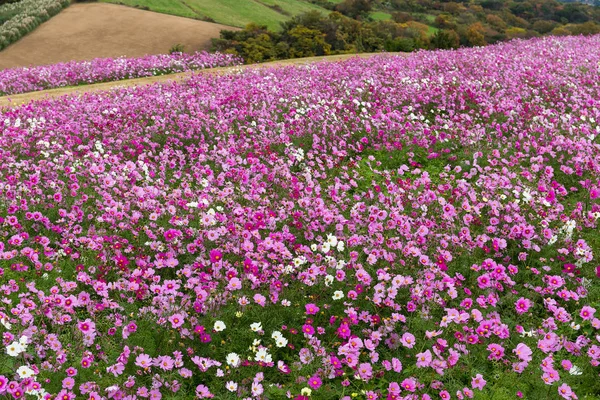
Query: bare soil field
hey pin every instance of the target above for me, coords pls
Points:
(18, 99)
(92, 30)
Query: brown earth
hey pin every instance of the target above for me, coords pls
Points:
(18, 99)
(87, 31)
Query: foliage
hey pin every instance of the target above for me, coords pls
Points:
(18, 19)
(413, 25)
(177, 48)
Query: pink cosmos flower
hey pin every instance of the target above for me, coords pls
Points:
(478, 382)
(408, 340)
(496, 351)
(565, 391)
(308, 329)
(523, 305)
(176, 320)
(365, 371)
(523, 352)
(311, 309)
(315, 382)
(143, 361)
(424, 359)
(260, 299)
(409, 384)
(566, 364)
(215, 256)
(587, 312)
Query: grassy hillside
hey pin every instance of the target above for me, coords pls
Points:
(229, 12)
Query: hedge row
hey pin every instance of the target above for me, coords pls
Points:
(26, 16)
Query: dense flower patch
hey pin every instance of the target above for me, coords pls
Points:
(29, 79)
(391, 228)
(18, 19)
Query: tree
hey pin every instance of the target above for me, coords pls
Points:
(444, 21)
(354, 8)
(445, 39)
(588, 28)
(495, 21)
(306, 42)
(544, 26)
(560, 31)
(453, 8)
(402, 17)
(475, 34)
(514, 32)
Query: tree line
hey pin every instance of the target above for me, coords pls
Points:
(414, 24)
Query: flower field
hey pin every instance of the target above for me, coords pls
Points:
(20, 18)
(420, 227)
(30, 79)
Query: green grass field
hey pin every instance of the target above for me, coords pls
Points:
(229, 12)
(380, 16)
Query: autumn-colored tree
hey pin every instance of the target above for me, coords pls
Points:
(475, 34)
(444, 21)
(401, 17)
(495, 21)
(453, 8)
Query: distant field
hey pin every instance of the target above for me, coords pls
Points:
(380, 16)
(90, 30)
(229, 12)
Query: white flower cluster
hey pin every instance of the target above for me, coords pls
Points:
(280, 341)
(17, 347)
(330, 242)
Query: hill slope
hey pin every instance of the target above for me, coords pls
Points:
(86, 31)
(229, 12)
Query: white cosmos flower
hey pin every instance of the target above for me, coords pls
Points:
(276, 335)
(340, 246)
(256, 327)
(325, 247)
(575, 370)
(219, 326)
(5, 323)
(14, 349)
(338, 294)
(332, 240)
(313, 247)
(233, 359)
(328, 280)
(231, 386)
(281, 342)
(575, 326)
(25, 372)
(263, 355)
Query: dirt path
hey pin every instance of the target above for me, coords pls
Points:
(90, 30)
(18, 99)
